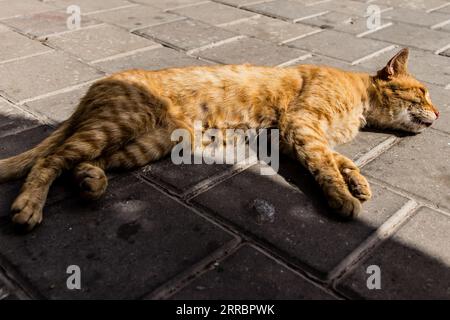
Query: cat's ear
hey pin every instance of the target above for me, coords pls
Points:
(396, 66)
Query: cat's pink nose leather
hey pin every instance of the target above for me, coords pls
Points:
(437, 114)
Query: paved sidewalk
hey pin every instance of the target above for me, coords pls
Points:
(187, 231)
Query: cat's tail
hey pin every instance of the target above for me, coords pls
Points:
(18, 166)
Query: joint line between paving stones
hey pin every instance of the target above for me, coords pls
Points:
(20, 108)
(323, 286)
(22, 287)
(385, 231)
(291, 62)
(184, 203)
(247, 236)
(438, 7)
(439, 51)
(374, 54)
(440, 24)
(311, 16)
(27, 56)
(226, 24)
(44, 38)
(110, 9)
(53, 93)
(302, 36)
(376, 151)
(418, 198)
(215, 44)
(127, 53)
(186, 6)
(210, 182)
(183, 279)
(179, 18)
(384, 26)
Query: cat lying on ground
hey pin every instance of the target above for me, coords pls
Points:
(125, 121)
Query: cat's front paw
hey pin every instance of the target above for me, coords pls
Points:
(357, 184)
(344, 204)
(27, 211)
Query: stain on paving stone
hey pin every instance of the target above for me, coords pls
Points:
(126, 244)
(302, 228)
(250, 274)
(414, 263)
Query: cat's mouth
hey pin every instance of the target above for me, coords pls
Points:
(421, 121)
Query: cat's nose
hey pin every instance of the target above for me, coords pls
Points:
(437, 114)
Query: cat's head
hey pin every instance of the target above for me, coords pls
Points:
(400, 102)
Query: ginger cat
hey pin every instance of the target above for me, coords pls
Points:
(125, 121)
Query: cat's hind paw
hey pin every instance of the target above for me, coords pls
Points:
(26, 212)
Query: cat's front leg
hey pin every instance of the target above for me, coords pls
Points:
(356, 182)
(313, 151)
(320, 161)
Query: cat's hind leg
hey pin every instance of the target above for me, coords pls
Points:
(90, 175)
(356, 182)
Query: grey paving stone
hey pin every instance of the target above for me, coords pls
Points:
(14, 45)
(443, 27)
(213, 13)
(441, 99)
(45, 23)
(417, 164)
(412, 36)
(88, 6)
(423, 65)
(339, 21)
(154, 59)
(335, 63)
(250, 274)
(240, 3)
(126, 244)
(34, 76)
(9, 9)
(416, 17)
(287, 10)
(135, 17)
(95, 43)
(414, 263)
(363, 143)
(329, 43)
(444, 10)
(422, 5)
(180, 178)
(270, 29)
(169, 4)
(251, 50)
(13, 120)
(302, 228)
(186, 34)
(350, 7)
(57, 107)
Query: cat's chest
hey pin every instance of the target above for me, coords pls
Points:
(344, 127)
